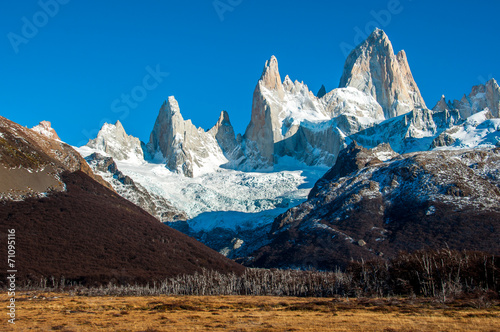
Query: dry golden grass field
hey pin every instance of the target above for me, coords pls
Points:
(64, 312)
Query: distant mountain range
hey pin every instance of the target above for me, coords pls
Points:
(362, 171)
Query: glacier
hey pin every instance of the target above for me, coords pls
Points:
(224, 189)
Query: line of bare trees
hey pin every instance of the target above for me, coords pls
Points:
(437, 273)
(443, 274)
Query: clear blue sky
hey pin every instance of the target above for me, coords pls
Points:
(85, 55)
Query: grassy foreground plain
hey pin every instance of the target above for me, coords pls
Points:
(39, 311)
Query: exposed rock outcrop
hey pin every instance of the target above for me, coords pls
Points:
(264, 128)
(478, 130)
(45, 128)
(410, 132)
(289, 120)
(351, 159)
(443, 105)
(373, 68)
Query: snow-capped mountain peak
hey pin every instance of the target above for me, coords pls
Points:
(442, 105)
(115, 142)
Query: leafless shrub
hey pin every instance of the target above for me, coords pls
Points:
(445, 275)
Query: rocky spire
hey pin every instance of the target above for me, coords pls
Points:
(163, 131)
(372, 67)
(493, 96)
(442, 105)
(321, 92)
(224, 134)
(270, 77)
(282, 114)
(263, 129)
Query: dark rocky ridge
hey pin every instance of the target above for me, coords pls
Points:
(365, 208)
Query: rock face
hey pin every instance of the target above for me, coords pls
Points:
(186, 149)
(284, 115)
(45, 128)
(351, 159)
(482, 96)
(373, 68)
(479, 112)
(289, 120)
(224, 134)
(114, 141)
(364, 208)
(156, 205)
(264, 127)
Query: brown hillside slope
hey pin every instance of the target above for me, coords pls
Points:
(90, 234)
(83, 231)
(24, 148)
